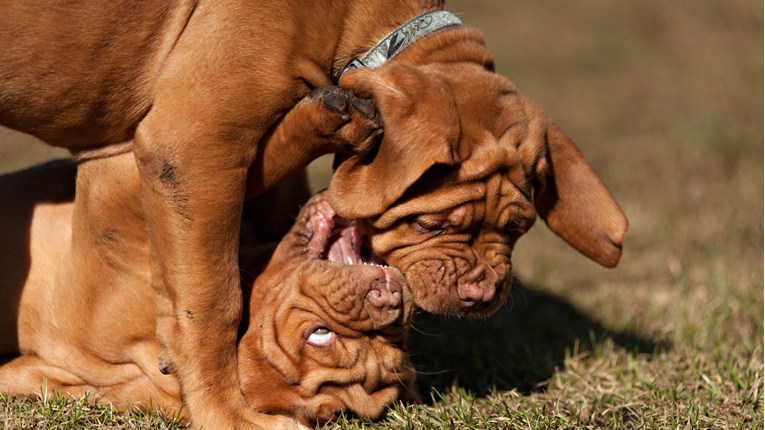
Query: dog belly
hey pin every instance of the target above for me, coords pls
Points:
(81, 75)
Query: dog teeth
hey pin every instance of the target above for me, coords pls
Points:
(366, 263)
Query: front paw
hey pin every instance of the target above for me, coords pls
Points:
(349, 123)
(244, 419)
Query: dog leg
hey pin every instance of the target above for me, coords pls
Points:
(192, 204)
(192, 193)
(31, 374)
(328, 120)
(195, 151)
(144, 394)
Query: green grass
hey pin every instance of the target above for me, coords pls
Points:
(666, 100)
(64, 413)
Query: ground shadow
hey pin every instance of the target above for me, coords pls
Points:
(519, 348)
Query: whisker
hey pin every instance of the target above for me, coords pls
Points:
(415, 328)
(250, 277)
(398, 377)
(440, 372)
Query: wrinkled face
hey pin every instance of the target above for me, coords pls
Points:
(326, 331)
(452, 230)
(463, 167)
(452, 233)
(454, 243)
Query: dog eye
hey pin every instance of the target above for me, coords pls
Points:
(429, 225)
(519, 225)
(321, 336)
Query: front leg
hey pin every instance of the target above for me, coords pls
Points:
(328, 120)
(194, 164)
(192, 191)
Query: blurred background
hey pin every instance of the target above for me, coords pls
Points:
(665, 98)
(666, 101)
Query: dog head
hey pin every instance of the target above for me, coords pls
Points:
(326, 333)
(464, 168)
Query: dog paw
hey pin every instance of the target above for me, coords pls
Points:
(350, 123)
(246, 419)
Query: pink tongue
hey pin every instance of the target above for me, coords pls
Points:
(345, 244)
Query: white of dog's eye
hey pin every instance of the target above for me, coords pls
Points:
(320, 336)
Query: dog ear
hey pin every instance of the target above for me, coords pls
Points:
(366, 185)
(421, 130)
(432, 4)
(575, 203)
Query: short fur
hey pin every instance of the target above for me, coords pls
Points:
(198, 92)
(464, 185)
(100, 336)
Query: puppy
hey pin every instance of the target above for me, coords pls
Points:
(465, 167)
(200, 92)
(322, 336)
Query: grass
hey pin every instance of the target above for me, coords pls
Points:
(63, 413)
(665, 99)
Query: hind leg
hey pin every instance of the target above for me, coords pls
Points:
(144, 394)
(30, 376)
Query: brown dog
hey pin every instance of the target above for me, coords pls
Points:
(203, 89)
(453, 228)
(321, 336)
(469, 163)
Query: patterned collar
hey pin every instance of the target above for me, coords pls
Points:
(402, 37)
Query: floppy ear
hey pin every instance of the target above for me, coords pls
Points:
(575, 203)
(421, 130)
(366, 185)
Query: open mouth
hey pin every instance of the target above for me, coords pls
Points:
(338, 239)
(381, 289)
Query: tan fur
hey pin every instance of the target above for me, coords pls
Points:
(464, 184)
(81, 299)
(98, 335)
(201, 88)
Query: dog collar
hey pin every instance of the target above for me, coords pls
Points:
(402, 37)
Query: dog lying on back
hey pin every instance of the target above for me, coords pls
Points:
(322, 335)
(319, 334)
(200, 91)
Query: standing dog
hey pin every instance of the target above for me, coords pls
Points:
(202, 91)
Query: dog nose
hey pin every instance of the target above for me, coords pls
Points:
(384, 299)
(474, 289)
